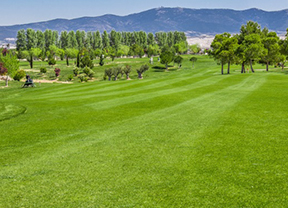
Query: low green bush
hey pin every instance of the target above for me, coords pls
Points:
(70, 77)
(43, 70)
(19, 75)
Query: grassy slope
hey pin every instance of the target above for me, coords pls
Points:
(188, 138)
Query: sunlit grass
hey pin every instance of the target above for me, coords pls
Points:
(186, 137)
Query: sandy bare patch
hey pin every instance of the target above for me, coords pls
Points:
(50, 81)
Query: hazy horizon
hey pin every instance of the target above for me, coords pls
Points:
(30, 11)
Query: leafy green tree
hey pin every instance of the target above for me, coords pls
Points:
(193, 60)
(115, 40)
(61, 53)
(224, 49)
(153, 50)
(70, 53)
(195, 48)
(178, 60)
(40, 43)
(105, 39)
(142, 39)
(243, 57)
(89, 40)
(123, 50)
(112, 53)
(79, 39)
(31, 39)
(179, 37)
(161, 38)
(48, 39)
(64, 39)
(271, 44)
(55, 38)
(116, 71)
(127, 70)
(284, 50)
(97, 40)
(136, 50)
(142, 69)
(181, 47)
(31, 54)
(21, 40)
(108, 73)
(254, 48)
(72, 40)
(151, 39)
(170, 39)
(166, 57)
(10, 64)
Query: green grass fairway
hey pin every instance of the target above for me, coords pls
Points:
(177, 138)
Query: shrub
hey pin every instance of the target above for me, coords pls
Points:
(43, 70)
(86, 70)
(57, 72)
(51, 61)
(19, 75)
(91, 74)
(142, 69)
(86, 62)
(76, 72)
(70, 77)
(83, 78)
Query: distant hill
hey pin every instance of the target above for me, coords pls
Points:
(194, 21)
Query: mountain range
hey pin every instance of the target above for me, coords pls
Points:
(193, 21)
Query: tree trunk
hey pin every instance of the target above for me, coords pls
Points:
(109, 78)
(251, 65)
(282, 66)
(243, 68)
(115, 78)
(222, 65)
(228, 70)
(31, 61)
(127, 76)
(7, 80)
(267, 66)
(67, 60)
(140, 75)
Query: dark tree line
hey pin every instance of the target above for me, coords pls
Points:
(252, 45)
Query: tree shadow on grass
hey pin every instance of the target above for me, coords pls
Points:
(159, 68)
(173, 69)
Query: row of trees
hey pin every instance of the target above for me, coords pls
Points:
(80, 39)
(33, 44)
(119, 42)
(252, 45)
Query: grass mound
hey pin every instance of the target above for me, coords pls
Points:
(8, 111)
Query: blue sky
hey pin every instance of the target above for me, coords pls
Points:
(27, 11)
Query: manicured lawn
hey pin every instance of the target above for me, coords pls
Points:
(182, 138)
